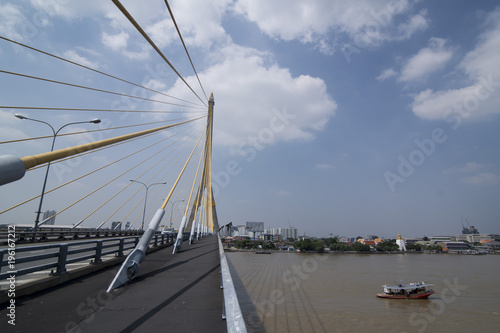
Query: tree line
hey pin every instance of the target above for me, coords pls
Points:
(319, 245)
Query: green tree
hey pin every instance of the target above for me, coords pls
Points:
(319, 246)
(389, 245)
(436, 248)
(339, 247)
(414, 247)
(304, 245)
(309, 245)
(329, 242)
(360, 247)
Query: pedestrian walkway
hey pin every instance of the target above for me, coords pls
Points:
(178, 293)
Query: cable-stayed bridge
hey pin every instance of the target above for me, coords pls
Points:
(137, 161)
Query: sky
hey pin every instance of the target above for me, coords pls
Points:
(350, 118)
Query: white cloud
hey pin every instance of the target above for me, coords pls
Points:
(115, 42)
(471, 167)
(482, 96)
(467, 168)
(71, 10)
(75, 57)
(364, 22)
(200, 21)
(433, 105)
(484, 59)
(120, 42)
(8, 127)
(388, 73)
(143, 54)
(155, 84)
(482, 179)
(426, 61)
(475, 177)
(14, 24)
(325, 166)
(255, 99)
(416, 23)
(163, 32)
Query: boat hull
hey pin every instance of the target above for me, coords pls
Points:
(414, 296)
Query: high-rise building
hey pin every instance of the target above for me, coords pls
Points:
(286, 233)
(47, 214)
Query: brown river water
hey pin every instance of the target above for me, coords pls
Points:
(299, 292)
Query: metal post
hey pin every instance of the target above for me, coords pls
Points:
(98, 252)
(94, 121)
(63, 256)
(145, 198)
(172, 210)
(120, 248)
(144, 210)
(1, 258)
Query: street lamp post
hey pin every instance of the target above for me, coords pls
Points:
(145, 198)
(93, 121)
(172, 210)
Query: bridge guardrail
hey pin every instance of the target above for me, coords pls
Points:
(48, 235)
(64, 250)
(231, 306)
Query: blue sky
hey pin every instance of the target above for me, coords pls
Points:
(350, 118)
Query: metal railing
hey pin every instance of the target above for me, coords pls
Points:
(231, 307)
(63, 251)
(26, 236)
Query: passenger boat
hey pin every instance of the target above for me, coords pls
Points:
(419, 290)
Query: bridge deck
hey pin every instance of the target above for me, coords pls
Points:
(172, 292)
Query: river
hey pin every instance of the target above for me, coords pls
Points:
(300, 292)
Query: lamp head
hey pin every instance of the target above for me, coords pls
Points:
(95, 121)
(20, 116)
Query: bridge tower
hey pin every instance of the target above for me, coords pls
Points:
(130, 267)
(205, 187)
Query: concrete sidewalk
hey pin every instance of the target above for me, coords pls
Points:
(172, 293)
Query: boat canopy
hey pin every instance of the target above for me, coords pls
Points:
(408, 286)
